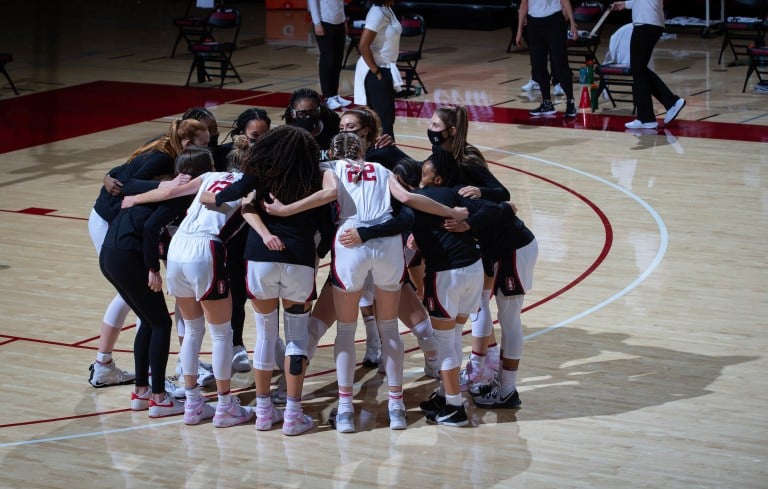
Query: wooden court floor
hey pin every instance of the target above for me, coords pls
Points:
(645, 355)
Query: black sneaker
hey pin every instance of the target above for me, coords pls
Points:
(570, 109)
(494, 399)
(435, 403)
(450, 415)
(546, 108)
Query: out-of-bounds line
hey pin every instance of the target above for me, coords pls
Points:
(84, 435)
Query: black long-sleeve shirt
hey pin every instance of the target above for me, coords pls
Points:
(442, 249)
(481, 177)
(509, 233)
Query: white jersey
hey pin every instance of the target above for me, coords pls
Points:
(200, 220)
(363, 195)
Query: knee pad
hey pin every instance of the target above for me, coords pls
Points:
(446, 350)
(266, 339)
(296, 328)
(297, 364)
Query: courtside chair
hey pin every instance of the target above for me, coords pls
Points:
(217, 55)
(4, 59)
(739, 33)
(193, 27)
(408, 59)
(758, 64)
(355, 12)
(585, 47)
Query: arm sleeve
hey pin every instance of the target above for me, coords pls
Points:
(401, 223)
(490, 187)
(237, 190)
(137, 187)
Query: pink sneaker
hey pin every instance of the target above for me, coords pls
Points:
(196, 411)
(266, 417)
(296, 423)
(231, 414)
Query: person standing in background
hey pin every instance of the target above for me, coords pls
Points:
(376, 75)
(648, 20)
(330, 31)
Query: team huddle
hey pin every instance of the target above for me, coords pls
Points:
(423, 243)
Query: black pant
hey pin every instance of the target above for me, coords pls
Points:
(646, 83)
(547, 38)
(236, 270)
(381, 98)
(331, 57)
(126, 271)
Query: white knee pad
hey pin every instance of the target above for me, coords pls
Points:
(221, 338)
(266, 339)
(344, 352)
(296, 327)
(393, 352)
(446, 349)
(116, 312)
(510, 309)
(482, 324)
(190, 348)
(424, 335)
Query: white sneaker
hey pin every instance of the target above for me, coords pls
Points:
(280, 394)
(174, 390)
(372, 356)
(636, 124)
(197, 411)
(205, 376)
(106, 374)
(240, 361)
(558, 90)
(674, 111)
(397, 419)
(530, 86)
(332, 103)
(168, 407)
(342, 101)
(345, 422)
(140, 402)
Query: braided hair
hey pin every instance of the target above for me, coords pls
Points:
(198, 114)
(286, 162)
(323, 111)
(248, 115)
(347, 146)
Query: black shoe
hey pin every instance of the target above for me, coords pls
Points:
(434, 404)
(450, 415)
(546, 108)
(570, 109)
(494, 399)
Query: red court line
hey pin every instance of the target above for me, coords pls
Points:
(54, 115)
(43, 214)
(8, 341)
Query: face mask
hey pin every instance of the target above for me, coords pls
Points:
(436, 137)
(308, 123)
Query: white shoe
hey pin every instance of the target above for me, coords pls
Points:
(636, 124)
(140, 402)
(372, 357)
(344, 102)
(205, 376)
(240, 361)
(333, 103)
(280, 394)
(106, 374)
(530, 86)
(674, 111)
(558, 90)
(168, 407)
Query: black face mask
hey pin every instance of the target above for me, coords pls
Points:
(436, 137)
(308, 123)
(214, 141)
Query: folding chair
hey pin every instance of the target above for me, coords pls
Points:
(616, 79)
(355, 24)
(7, 58)
(738, 35)
(217, 54)
(584, 48)
(193, 27)
(408, 60)
(758, 63)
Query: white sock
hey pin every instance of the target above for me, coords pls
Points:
(508, 382)
(263, 402)
(293, 404)
(104, 357)
(454, 399)
(225, 399)
(478, 361)
(345, 403)
(193, 394)
(396, 400)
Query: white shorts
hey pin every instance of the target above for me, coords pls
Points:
(97, 229)
(382, 257)
(272, 280)
(514, 272)
(453, 293)
(197, 268)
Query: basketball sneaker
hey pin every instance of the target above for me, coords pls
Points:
(267, 417)
(397, 419)
(296, 423)
(450, 415)
(557, 90)
(232, 414)
(240, 361)
(474, 380)
(280, 394)
(106, 374)
(494, 399)
(372, 356)
(546, 108)
(197, 411)
(530, 86)
(435, 403)
(345, 422)
(205, 377)
(140, 402)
